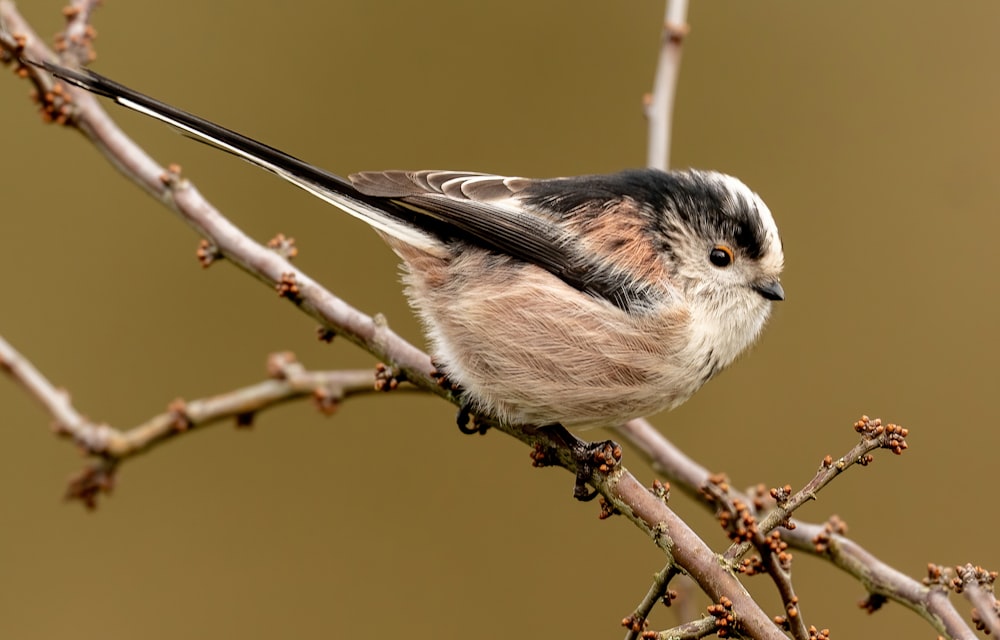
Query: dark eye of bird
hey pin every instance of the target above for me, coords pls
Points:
(721, 256)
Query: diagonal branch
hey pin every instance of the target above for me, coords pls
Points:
(82, 111)
(976, 584)
(658, 592)
(823, 541)
(289, 381)
(618, 486)
(55, 401)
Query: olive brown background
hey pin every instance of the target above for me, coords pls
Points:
(869, 128)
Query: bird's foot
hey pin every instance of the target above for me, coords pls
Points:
(467, 422)
(590, 457)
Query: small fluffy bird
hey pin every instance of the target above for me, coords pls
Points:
(582, 301)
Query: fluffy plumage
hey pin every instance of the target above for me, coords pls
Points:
(581, 301)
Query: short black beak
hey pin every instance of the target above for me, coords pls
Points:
(770, 290)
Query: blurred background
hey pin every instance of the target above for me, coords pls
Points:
(870, 129)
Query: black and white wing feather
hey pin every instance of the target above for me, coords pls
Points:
(426, 209)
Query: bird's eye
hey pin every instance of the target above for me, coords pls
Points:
(721, 255)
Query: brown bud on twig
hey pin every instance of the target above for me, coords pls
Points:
(283, 246)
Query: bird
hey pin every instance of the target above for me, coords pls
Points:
(576, 301)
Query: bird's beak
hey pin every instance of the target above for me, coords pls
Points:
(771, 290)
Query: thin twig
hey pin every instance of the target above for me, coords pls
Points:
(55, 401)
(700, 628)
(636, 623)
(737, 517)
(659, 105)
(682, 545)
(976, 584)
(75, 43)
(879, 578)
(873, 436)
(290, 381)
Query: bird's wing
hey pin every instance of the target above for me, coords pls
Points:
(504, 214)
(426, 209)
(484, 210)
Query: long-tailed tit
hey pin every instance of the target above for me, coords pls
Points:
(578, 301)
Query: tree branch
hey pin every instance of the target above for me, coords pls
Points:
(658, 592)
(976, 584)
(622, 492)
(81, 110)
(823, 541)
(659, 105)
(289, 381)
(75, 43)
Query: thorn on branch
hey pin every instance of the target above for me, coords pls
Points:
(324, 334)
(283, 246)
(208, 253)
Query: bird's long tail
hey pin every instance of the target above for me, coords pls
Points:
(380, 213)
